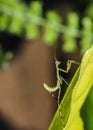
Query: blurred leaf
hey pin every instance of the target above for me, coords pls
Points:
(5, 58)
(69, 36)
(4, 22)
(86, 40)
(8, 56)
(36, 8)
(32, 32)
(89, 10)
(50, 34)
(16, 26)
(69, 46)
(4, 65)
(32, 29)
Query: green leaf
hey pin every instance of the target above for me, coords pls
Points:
(8, 56)
(50, 34)
(4, 22)
(87, 111)
(32, 32)
(69, 36)
(75, 96)
(16, 26)
(89, 10)
(36, 8)
(32, 29)
(69, 45)
(87, 37)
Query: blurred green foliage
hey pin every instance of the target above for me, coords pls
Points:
(31, 28)
(86, 34)
(50, 33)
(20, 19)
(5, 58)
(69, 37)
(89, 10)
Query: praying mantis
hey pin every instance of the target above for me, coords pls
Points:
(60, 79)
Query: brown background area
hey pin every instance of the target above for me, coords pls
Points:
(23, 101)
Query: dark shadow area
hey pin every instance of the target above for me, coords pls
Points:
(10, 42)
(4, 124)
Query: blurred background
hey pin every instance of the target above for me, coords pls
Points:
(32, 33)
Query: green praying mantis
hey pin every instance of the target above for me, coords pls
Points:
(60, 79)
